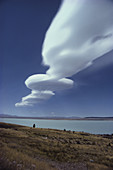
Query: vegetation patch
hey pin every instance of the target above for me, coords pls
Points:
(47, 149)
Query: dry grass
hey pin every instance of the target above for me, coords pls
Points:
(13, 160)
(33, 148)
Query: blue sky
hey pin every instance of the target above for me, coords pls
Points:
(23, 27)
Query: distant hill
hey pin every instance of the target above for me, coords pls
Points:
(98, 117)
(26, 117)
(7, 116)
(56, 118)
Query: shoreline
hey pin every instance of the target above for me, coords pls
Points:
(57, 129)
(44, 118)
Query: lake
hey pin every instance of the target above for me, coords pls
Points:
(95, 127)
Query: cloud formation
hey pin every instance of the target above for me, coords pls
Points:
(81, 32)
(35, 97)
(44, 82)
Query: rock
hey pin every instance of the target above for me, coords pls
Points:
(91, 160)
(78, 142)
(19, 166)
(14, 162)
(33, 166)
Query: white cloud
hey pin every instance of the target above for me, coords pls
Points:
(42, 86)
(22, 104)
(81, 32)
(35, 97)
(42, 82)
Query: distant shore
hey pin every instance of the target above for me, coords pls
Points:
(62, 118)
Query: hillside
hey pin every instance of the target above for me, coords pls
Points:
(47, 149)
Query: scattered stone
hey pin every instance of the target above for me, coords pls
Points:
(19, 166)
(33, 166)
(14, 162)
(109, 144)
(91, 160)
(44, 137)
(78, 142)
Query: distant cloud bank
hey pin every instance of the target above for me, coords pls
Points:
(81, 32)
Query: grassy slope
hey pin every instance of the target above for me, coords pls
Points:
(33, 148)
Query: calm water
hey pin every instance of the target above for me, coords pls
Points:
(95, 127)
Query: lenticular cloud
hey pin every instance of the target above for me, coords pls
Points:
(81, 32)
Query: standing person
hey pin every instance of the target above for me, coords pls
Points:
(33, 125)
